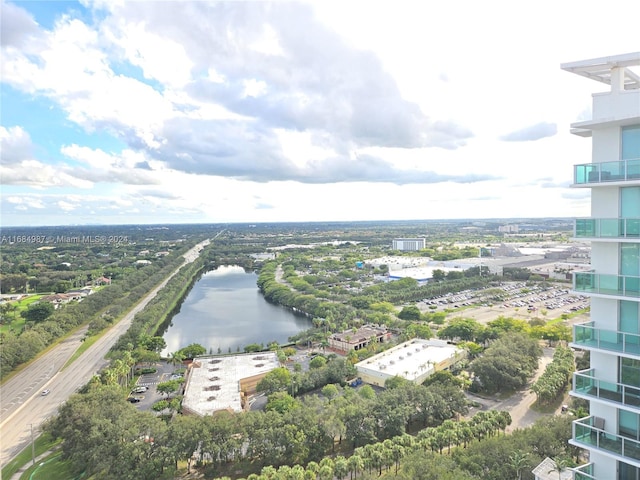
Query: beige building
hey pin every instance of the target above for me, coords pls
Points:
(348, 340)
(413, 360)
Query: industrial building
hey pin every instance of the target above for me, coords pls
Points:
(611, 432)
(225, 382)
(413, 360)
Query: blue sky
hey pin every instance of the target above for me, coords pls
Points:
(117, 112)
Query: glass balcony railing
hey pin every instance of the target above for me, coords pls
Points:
(587, 337)
(607, 228)
(584, 472)
(585, 383)
(604, 172)
(587, 435)
(620, 285)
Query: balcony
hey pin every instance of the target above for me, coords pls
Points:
(587, 435)
(615, 228)
(618, 285)
(587, 385)
(585, 336)
(606, 172)
(584, 472)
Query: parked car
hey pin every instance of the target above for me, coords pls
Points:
(134, 399)
(140, 389)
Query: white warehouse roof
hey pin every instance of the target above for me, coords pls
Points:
(413, 360)
(213, 382)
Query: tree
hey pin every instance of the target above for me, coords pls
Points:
(193, 350)
(274, 381)
(38, 312)
(519, 460)
(317, 362)
(438, 275)
(177, 358)
(559, 465)
(169, 387)
(410, 313)
(154, 344)
(330, 391)
(281, 402)
(464, 329)
(356, 464)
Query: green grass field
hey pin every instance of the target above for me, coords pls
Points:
(15, 322)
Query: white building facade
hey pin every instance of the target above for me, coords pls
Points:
(611, 433)
(409, 244)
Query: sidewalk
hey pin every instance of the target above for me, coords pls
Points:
(39, 458)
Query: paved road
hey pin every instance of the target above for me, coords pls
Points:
(22, 404)
(518, 404)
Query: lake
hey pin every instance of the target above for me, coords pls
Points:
(225, 310)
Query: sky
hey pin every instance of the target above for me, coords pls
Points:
(141, 112)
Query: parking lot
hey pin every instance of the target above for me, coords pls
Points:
(163, 373)
(516, 300)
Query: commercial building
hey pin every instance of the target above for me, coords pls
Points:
(225, 382)
(409, 244)
(413, 360)
(611, 432)
(348, 340)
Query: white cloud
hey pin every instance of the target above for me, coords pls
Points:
(302, 111)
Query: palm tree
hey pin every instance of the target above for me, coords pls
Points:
(518, 460)
(176, 358)
(560, 464)
(355, 463)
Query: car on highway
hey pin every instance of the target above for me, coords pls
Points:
(45, 393)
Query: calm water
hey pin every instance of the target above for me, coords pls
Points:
(224, 309)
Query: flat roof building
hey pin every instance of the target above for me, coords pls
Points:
(409, 244)
(225, 382)
(348, 340)
(413, 360)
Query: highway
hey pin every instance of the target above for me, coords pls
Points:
(23, 406)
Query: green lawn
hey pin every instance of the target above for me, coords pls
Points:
(16, 322)
(42, 444)
(50, 468)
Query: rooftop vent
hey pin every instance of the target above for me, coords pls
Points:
(214, 379)
(214, 369)
(211, 398)
(258, 365)
(215, 360)
(211, 388)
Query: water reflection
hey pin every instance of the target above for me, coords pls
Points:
(225, 311)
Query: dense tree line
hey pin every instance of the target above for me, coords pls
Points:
(507, 364)
(556, 376)
(104, 436)
(98, 310)
(161, 308)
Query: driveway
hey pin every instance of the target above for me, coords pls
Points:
(518, 404)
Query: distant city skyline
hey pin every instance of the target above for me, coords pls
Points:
(215, 112)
